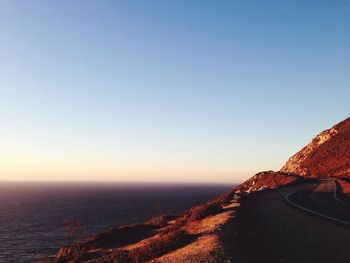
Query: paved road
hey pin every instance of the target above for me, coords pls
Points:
(321, 199)
(277, 226)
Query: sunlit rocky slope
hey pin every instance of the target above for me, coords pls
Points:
(326, 155)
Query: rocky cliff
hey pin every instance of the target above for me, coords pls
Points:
(327, 155)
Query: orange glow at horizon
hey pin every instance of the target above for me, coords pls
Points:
(78, 170)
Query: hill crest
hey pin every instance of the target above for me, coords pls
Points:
(327, 154)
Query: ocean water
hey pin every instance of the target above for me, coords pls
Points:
(32, 214)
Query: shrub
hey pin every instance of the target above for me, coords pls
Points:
(160, 221)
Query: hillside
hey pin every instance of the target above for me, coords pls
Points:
(327, 155)
(195, 234)
(221, 229)
(189, 237)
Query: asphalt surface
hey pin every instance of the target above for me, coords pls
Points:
(321, 199)
(303, 223)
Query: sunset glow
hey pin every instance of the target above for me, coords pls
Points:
(195, 92)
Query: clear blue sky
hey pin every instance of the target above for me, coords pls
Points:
(167, 90)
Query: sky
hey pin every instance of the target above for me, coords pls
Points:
(171, 91)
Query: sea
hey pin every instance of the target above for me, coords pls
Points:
(32, 215)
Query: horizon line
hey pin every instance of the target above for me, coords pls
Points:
(119, 181)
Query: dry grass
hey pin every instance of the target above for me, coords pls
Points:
(204, 249)
(152, 247)
(207, 246)
(190, 236)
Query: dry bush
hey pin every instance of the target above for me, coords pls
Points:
(160, 221)
(213, 207)
(204, 211)
(199, 212)
(119, 236)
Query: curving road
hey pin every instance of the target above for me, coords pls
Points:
(302, 223)
(321, 199)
